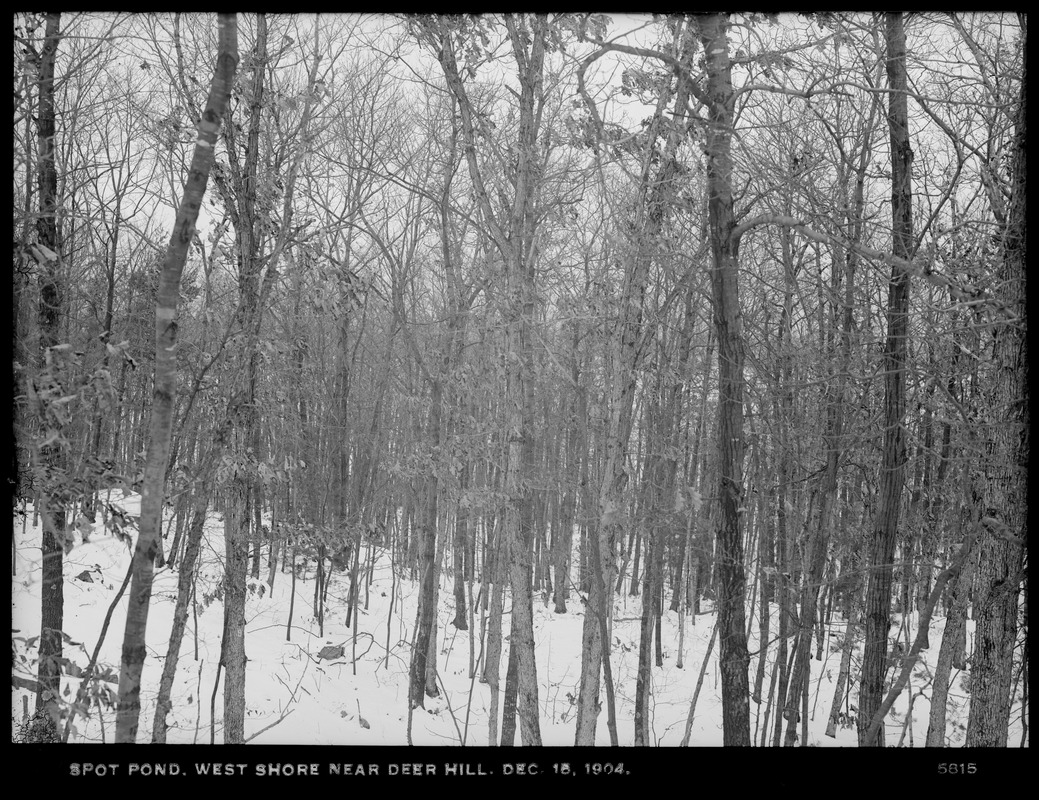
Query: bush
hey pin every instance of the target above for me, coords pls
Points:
(38, 729)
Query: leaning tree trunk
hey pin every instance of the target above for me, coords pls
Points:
(899, 684)
(952, 639)
(892, 472)
(198, 505)
(847, 647)
(185, 585)
(148, 541)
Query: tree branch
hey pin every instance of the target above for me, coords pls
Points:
(962, 291)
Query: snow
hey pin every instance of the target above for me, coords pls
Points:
(295, 697)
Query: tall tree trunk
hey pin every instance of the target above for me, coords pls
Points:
(512, 230)
(528, 39)
(731, 585)
(649, 518)
(160, 431)
(51, 456)
(492, 663)
(454, 356)
(662, 433)
(238, 517)
(643, 679)
(563, 537)
(892, 477)
(509, 701)
(427, 604)
(112, 254)
(458, 553)
(833, 443)
(656, 190)
(1001, 566)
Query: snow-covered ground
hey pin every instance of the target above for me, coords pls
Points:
(295, 697)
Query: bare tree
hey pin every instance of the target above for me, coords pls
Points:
(148, 541)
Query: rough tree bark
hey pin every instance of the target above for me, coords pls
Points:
(426, 619)
(52, 600)
(892, 473)
(731, 586)
(1001, 566)
(242, 406)
(519, 343)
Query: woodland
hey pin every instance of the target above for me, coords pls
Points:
(569, 316)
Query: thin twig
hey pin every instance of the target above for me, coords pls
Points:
(268, 727)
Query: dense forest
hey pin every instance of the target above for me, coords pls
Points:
(711, 314)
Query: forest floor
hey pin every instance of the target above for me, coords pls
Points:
(294, 696)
